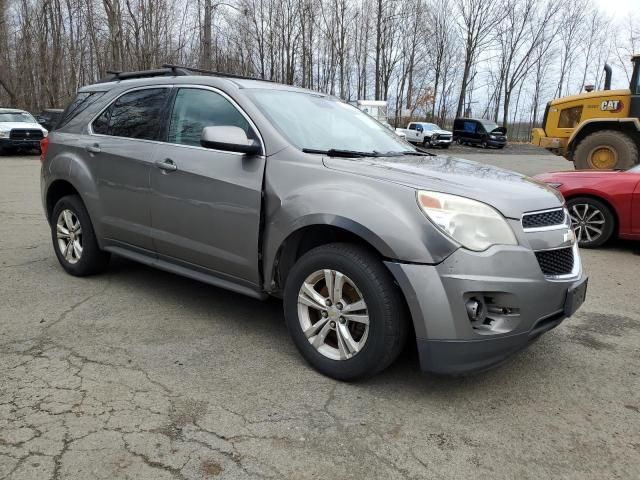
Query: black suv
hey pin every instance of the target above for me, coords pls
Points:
(474, 131)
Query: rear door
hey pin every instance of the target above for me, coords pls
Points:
(206, 205)
(122, 144)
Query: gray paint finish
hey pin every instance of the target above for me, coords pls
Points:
(223, 217)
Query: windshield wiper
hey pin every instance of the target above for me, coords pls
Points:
(410, 152)
(335, 152)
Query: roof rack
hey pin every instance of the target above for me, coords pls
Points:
(169, 70)
(214, 73)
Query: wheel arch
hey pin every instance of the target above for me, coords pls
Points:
(58, 189)
(629, 126)
(315, 234)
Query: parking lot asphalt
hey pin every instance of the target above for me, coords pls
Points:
(141, 374)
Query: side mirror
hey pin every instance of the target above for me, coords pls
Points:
(228, 138)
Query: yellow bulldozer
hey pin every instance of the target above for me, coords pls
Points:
(597, 129)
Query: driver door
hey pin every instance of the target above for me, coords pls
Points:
(205, 208)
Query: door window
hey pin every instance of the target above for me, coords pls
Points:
(136, 114)
(195, 109)
(412, 126)
(570, 117)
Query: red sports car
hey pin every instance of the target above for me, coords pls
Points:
(601, 203)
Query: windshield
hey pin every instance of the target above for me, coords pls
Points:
(20, 117)
(315, 122)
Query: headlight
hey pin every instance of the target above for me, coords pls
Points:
(5, 133)
(474, 225)
(492, 137)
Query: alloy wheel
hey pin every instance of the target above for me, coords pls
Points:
(69, 235)
(587, 222)
(333, 314)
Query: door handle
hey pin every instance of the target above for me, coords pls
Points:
(95, 148)
(167, 165)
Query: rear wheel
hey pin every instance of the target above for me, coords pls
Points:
(74, 240)
(606, 150)
(343, 311)
(592, 220)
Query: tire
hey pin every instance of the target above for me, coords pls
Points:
(484, 144)
(600, 218)
(90, 260)
(426, 142)
(606, 150)
(387, 328)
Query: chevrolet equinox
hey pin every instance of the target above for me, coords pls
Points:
(267, 189)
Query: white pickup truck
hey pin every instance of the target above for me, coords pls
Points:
(426, 134)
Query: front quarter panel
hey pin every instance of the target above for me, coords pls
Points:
(301, 192)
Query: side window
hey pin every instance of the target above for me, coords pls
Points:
(412, 126)
(470, 127)
(570, 117)
(136, 114)
(195, 109)
(82, 101)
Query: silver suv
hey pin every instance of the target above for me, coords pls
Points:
(267, 189)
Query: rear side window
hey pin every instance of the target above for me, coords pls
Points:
(136, 114)
(195, 109)
(79, 104)
(570, 117)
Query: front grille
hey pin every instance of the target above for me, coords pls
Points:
(25, 134)
(444, 137)
(556, 262)
(548, 218)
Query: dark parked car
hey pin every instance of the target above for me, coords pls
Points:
(474, 131)
(49, 117)
(268, 189)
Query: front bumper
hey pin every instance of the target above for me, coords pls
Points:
(440, 141)
(19, 143)
(525, 303)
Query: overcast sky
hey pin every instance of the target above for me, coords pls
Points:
(618, 8)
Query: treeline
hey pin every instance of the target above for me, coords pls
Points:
(431, 59)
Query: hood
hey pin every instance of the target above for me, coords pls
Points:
(440, 132)
(28, 125)
(510, 193)
(499, 131)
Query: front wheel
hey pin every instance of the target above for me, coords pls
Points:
(593, 221)
(426, 142)
(484, 144)
(343, 311)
